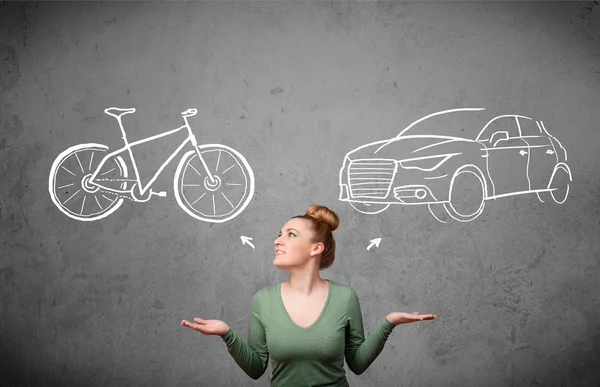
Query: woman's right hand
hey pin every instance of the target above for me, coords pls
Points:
(207, 327)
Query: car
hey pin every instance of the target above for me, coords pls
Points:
(453, 161)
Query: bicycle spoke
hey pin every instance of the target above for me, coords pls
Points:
(192, 185)
(228, 169)
(232, 206)
(233, 184)
(65, 186)
(195, 170)
(68, 170)
(214, 207)
(79, 161)
(218, 159)
(199, 198)
(110, 200)
(91, 158)
(108, 171)
(82, 204)
(99, 205)
(65, 202)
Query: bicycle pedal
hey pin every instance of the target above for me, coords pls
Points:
(162, 194)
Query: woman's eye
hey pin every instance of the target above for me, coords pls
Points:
(292, 234)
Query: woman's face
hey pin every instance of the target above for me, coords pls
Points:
(294, 245)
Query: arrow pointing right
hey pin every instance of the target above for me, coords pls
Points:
(374, 242)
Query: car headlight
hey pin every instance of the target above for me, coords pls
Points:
(346, 161)
(428, 163)
(343, 168)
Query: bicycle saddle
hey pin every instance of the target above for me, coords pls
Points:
(117, 112)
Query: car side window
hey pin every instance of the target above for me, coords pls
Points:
(500, 128)
(529, 127)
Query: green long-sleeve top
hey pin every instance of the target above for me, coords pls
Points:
(311, 356)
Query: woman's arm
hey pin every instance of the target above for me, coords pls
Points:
(360, 353)
(253, 356)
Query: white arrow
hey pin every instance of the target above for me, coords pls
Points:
(374, 242)
(247, 240)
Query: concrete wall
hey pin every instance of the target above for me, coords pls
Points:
(293, 86)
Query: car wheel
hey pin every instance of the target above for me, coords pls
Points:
(466, 198)
(439, 212)
(369, 208)
(558, 187)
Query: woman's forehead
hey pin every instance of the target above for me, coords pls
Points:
(299, 224)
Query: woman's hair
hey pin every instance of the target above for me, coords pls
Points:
(324, 222)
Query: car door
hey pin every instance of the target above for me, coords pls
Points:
(507, 157)
(542, 155)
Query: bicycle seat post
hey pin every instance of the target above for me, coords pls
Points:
(124, 135)
(118, 113)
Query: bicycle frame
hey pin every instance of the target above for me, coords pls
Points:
(143, 188)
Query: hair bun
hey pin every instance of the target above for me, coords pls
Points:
(325, 215)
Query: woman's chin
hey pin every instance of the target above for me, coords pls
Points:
(279, 263)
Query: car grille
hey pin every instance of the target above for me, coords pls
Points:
(371, 178)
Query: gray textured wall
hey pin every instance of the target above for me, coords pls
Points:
(293, 86)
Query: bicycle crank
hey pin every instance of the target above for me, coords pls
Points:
(132, 193)
(135, 194)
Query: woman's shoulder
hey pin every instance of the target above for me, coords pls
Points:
(342, 289)
(338, 284)
(267, 290)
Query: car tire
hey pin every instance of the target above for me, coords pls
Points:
(438, 211)
(558, 187)
(466, 196)
(369, 208)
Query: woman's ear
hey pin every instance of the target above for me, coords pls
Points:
(317, 249)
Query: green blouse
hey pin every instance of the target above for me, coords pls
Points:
(311, 356)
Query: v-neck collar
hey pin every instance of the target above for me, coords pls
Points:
(329, 290)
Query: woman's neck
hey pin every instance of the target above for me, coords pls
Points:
(305, 284)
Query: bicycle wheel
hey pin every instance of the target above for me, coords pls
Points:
(69, 186)
(222, 200)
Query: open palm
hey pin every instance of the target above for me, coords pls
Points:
(207, 327)
(405, 318)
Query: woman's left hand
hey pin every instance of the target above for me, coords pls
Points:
(397, 318)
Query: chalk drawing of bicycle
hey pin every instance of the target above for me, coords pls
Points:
(212, 183)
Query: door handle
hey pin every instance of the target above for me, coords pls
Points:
(522, 152)
(549, 152)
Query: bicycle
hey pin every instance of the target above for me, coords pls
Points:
(86, 191)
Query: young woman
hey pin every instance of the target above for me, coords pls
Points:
(306, 325)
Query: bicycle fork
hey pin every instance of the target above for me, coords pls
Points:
(212, 182)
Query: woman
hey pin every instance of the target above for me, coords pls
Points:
(307, 324)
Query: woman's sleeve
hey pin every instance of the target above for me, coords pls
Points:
(253, 356)
(360, 353)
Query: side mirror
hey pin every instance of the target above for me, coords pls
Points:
(498, 136)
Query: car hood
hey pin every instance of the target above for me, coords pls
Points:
(402, 148)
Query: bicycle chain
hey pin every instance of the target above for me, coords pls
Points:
(114, 193)
(114, 180)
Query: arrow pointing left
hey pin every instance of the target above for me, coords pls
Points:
(247, 240)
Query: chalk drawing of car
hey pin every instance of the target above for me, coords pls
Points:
(437, 162)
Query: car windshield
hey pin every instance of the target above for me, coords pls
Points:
(463, 123)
